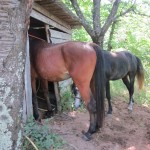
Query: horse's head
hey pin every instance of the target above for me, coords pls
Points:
(77, 96)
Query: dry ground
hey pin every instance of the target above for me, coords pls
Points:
(121, 131)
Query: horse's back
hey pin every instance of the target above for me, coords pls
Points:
(119, 64)
(132, 61)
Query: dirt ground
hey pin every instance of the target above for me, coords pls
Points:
(121, 131)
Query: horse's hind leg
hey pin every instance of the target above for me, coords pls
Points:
(108, 97)
(131, 102)
(34, 99)
(91, 107)
(90, 103)
(130, 87)
(44, 84)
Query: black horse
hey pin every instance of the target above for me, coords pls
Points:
(122, 65)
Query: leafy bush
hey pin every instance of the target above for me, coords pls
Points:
(41, 136)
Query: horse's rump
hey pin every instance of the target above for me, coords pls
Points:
(59, 62)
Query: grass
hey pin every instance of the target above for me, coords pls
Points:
(140, 96)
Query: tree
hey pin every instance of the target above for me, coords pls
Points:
(99, 27)
(14, 21)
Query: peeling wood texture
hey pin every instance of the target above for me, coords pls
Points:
(14, 20)
(27, 103)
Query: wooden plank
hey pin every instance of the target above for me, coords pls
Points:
(48, 21)
(47, 13)
(55, 40)
(27, 108)
(59, 35)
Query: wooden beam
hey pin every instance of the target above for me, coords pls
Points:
(47, 13)
(48, 21)
(47, 32)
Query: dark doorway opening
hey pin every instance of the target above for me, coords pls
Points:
(37, 30)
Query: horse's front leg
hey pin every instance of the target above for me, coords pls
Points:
(131, 91)
(130, 87)
(34, 100)
(44, 84)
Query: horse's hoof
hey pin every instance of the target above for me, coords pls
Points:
(129, 110)
(87, 136)
(37, 118)
(109, 115)
(49, 114)
(109, 112)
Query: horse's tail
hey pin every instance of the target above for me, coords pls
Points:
(99, 85)
(140, 73)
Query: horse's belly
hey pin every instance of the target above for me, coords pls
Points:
(118, 75)
(56, 74)
(52, 67)
(58, 77)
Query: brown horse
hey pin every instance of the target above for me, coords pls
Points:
(83, 62)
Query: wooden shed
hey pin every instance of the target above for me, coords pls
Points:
(52, 21)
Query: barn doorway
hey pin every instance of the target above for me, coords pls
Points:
(38, 30)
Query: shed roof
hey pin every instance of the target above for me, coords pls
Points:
(60, 10)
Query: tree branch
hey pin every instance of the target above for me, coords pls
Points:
(111, 35)
(141, 14)
(81, 17)
(96, 17)
(125, 12)
(111, 16)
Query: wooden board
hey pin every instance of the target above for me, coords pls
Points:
(47, 13)
(45, 19)
(59, 37)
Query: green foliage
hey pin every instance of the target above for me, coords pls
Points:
(85, 6)
(67, 101)
(41, 136)
(118, 89)
(81, 35)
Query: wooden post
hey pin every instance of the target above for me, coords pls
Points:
(56, 87)
(27, 103)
